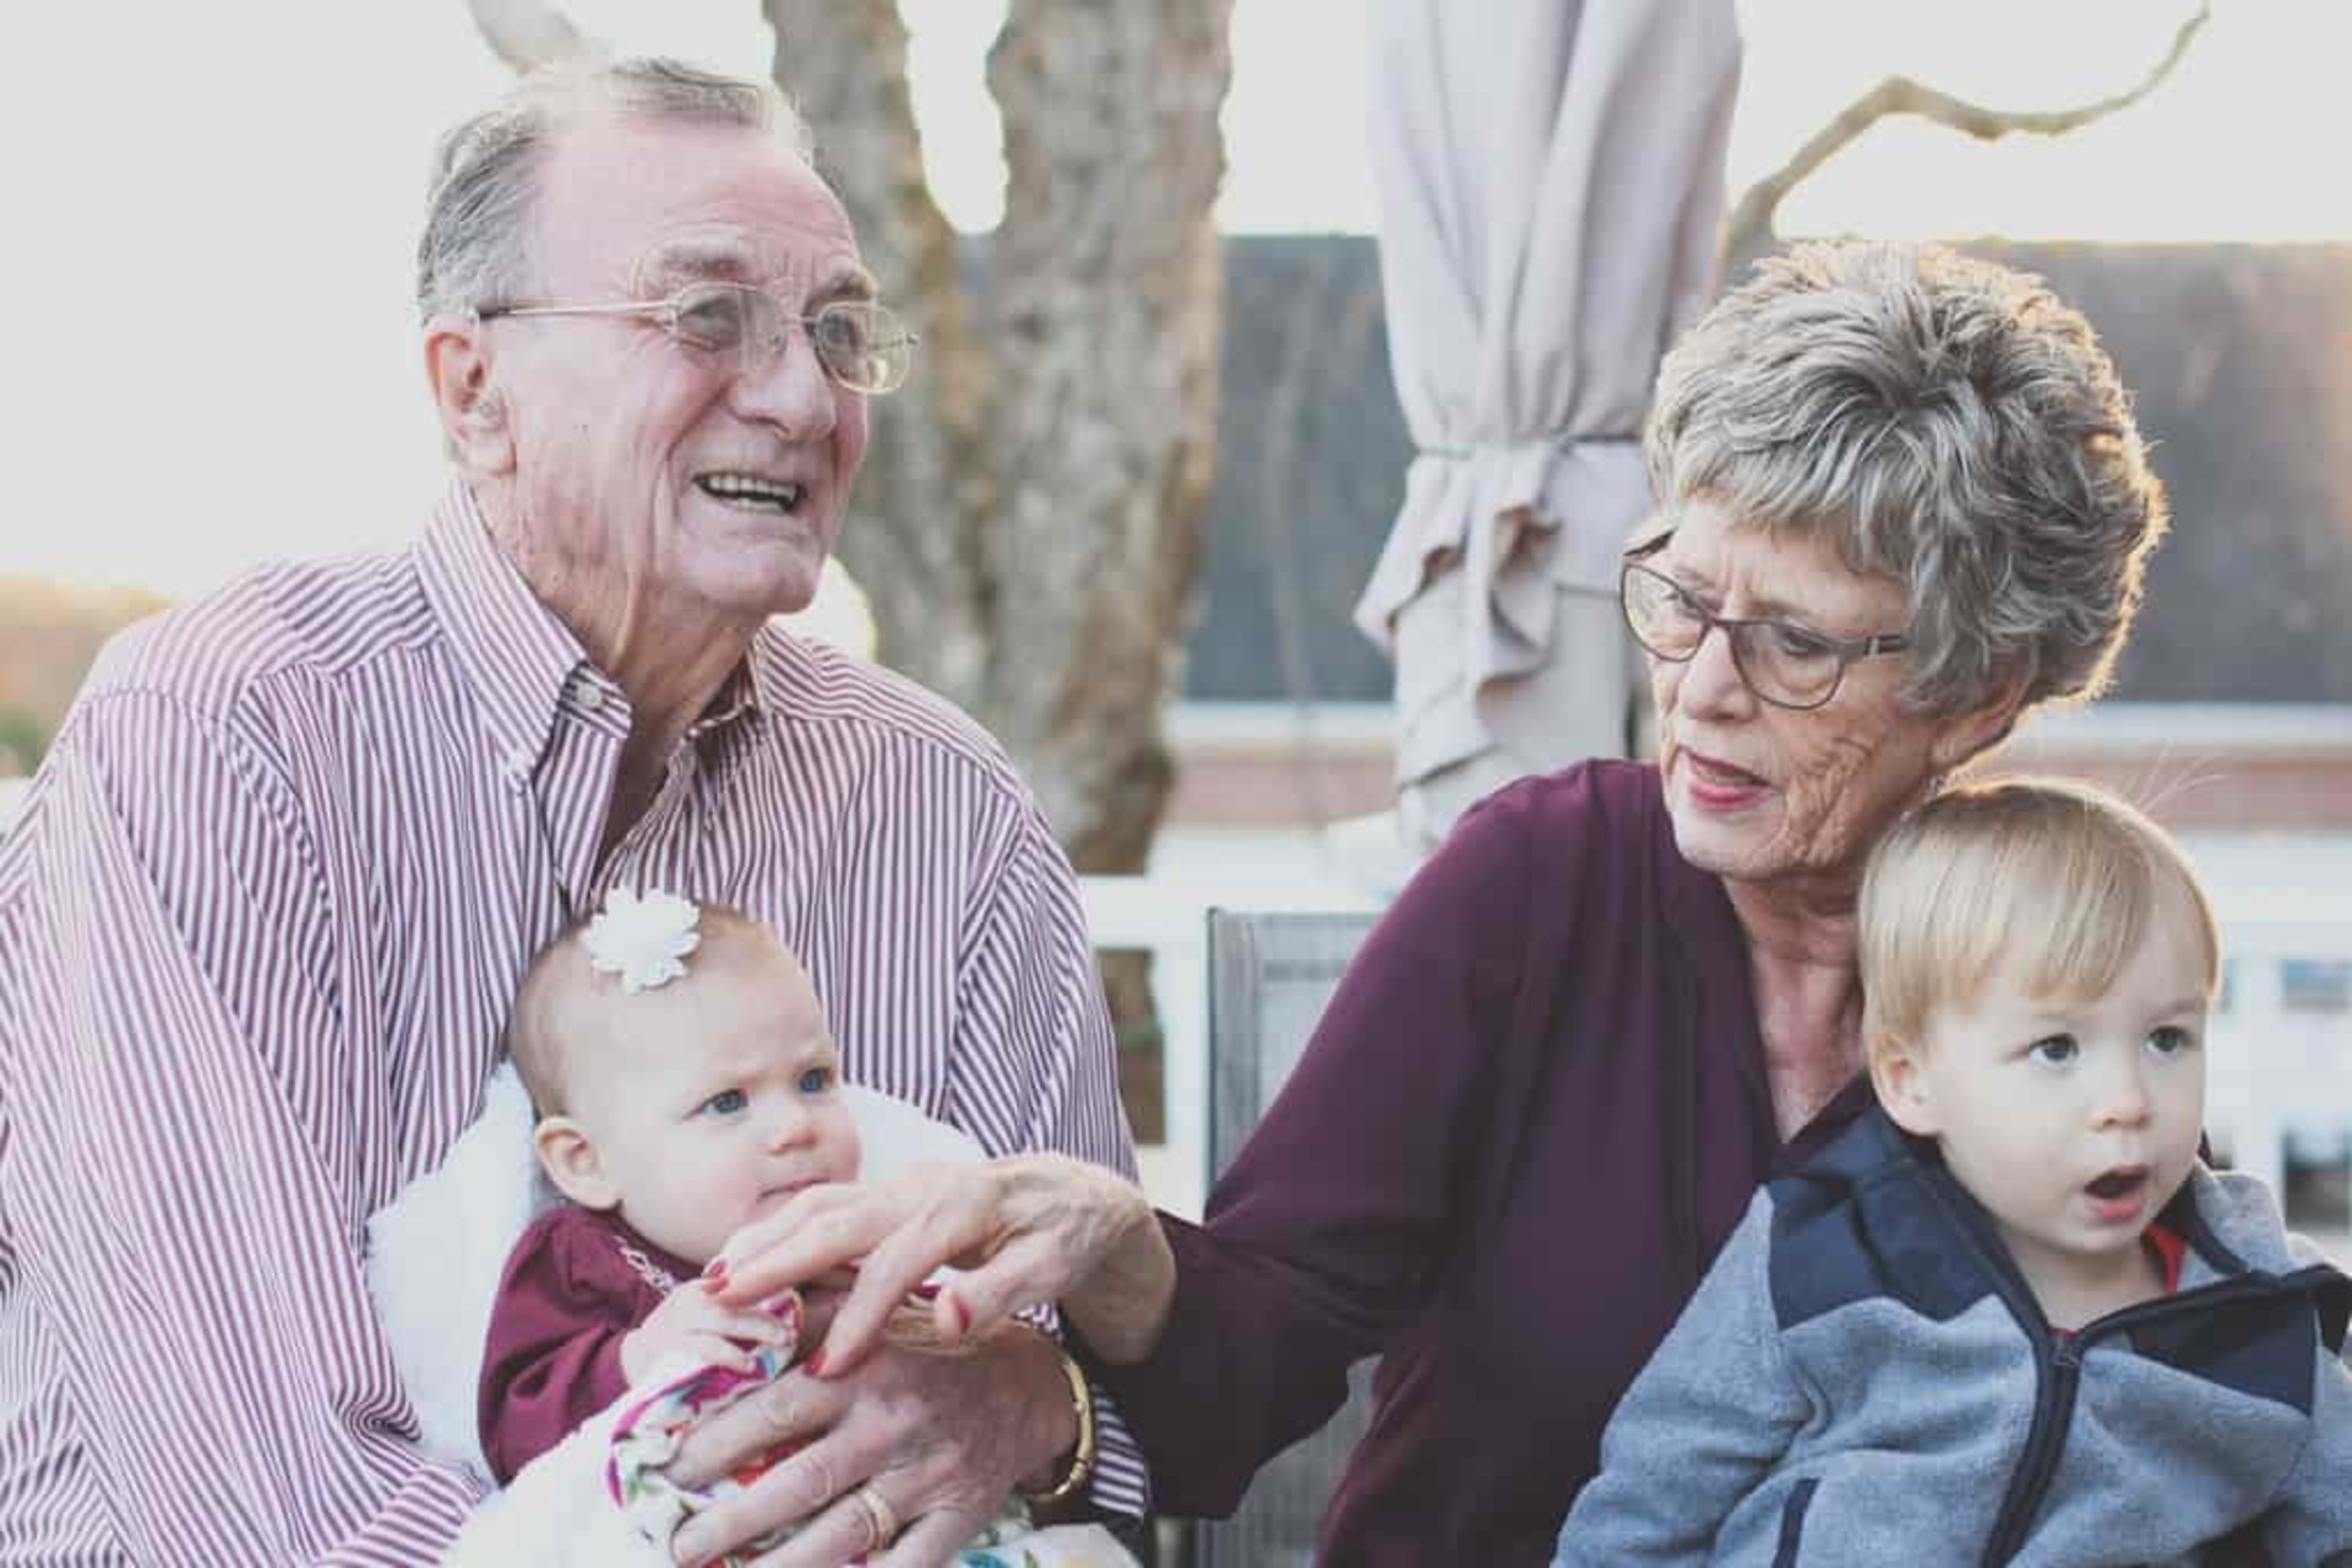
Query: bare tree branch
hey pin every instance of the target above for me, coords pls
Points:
(1750, 223)
(527, 35)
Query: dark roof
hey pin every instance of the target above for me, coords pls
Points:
(2240, 356)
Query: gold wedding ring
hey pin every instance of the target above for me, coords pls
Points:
(881, 1519)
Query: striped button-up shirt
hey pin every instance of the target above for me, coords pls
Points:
(260, 923)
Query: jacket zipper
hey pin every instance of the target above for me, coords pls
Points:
(2059, 1365)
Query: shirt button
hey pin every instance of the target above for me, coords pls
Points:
(592, 697)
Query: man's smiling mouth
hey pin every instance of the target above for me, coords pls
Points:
(751, 492)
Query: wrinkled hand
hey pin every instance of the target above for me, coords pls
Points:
(941, 1437)
(707, 1328)
(1025, 1229)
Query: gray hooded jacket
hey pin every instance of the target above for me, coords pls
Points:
(1863, 1378)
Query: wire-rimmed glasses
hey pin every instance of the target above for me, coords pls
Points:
(1784, 663)
(861, 344)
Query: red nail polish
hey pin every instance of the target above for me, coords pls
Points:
(816, 1364)
(963, 1314)
(717, 1267)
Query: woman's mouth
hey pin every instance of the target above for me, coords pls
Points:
(1715, 783)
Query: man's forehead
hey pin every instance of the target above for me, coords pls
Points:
(824, 266)
(683, 200)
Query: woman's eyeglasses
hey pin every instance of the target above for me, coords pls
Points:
(1783, 663)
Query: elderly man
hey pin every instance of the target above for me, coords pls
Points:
(271, 897)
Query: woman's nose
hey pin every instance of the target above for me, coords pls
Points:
(1711, 679)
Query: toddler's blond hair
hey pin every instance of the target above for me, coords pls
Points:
(2063, 876)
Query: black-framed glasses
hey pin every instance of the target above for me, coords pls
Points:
(1783, 663)
(862, 345)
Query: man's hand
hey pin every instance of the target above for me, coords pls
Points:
(691, 1319)
(940, 1438)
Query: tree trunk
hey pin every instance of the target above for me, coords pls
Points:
(1028, 527)
(914, 533)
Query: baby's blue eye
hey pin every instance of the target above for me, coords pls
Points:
(2055, 1050)
(726, 1102)
(816, 1080)
(2169, 1040)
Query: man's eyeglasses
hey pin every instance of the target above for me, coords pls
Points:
(862, 345)
(1783, 663)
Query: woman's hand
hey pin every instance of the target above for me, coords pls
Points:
(1023, 1230)
(902, 1462)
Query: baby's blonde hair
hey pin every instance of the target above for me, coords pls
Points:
(2060, 875)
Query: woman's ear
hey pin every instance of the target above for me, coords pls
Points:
(1901, 1082)
(473, 414)
(571, 1163)
(1964, 735)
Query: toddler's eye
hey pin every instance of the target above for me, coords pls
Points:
(2169, 1040)
(726, 1102)
(816, 1080)
(2055, 1050)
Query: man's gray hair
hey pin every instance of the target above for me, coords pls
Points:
(476, 250)
(1946, 423)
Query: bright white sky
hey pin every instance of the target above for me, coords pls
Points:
(215, 207)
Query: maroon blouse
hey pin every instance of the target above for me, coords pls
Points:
(1531, 1115)
(575, 1286)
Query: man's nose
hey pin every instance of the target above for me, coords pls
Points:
(784, 384)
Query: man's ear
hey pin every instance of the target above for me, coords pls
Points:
(571, 1163)
(1902, 1089)
(473, 414)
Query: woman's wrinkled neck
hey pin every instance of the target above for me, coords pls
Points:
(1804, 970)
(1806, 922)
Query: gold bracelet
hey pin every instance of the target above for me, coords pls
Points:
(1082, 1456)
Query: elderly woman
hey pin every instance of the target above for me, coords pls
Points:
(1902, 503)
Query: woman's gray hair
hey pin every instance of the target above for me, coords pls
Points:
(1946, 422)
(476, 250)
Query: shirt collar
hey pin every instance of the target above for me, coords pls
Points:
(519, 656)
(512, 648)
(772, 662)
(627, 1237)
(2170, 1250)
(740, 696)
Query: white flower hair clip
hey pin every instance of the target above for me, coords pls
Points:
(644, 938)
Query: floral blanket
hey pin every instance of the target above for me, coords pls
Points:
(648, 1426)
